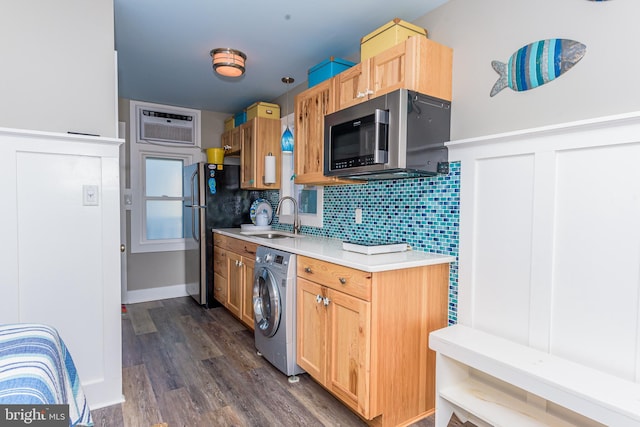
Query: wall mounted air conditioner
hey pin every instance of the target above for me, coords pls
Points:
(165, 126)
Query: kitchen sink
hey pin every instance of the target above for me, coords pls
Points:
(275, 235)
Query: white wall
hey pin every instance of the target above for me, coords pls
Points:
(212, 128)
(604, 82)
(58, 66)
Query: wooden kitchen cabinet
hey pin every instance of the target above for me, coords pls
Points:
(311, 106)
(230, 141)
(334, 343)
(259, 137)
(234, 262)
(363, 336)
(220, 274)
(418, 64)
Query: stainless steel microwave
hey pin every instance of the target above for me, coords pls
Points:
(397, 135)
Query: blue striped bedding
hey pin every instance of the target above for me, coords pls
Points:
(36, 369)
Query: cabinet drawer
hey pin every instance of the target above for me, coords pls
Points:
(242, 247)
(220, 240)
(344, 279)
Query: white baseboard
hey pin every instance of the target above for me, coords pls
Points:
(154, 294)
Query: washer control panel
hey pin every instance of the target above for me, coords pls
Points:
(274, 258)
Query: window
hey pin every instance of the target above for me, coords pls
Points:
(309, 197)
(157, 191)
(162, 197)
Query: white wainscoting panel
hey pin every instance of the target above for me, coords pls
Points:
(550, 239)
(597, 247)
(502, 245)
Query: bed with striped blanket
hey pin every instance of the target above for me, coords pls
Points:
(36, 368)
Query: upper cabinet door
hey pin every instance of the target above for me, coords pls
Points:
(353, 85)
(259, 137)
(230, 141)
(247, 156)
(389, 71)
(310, 109)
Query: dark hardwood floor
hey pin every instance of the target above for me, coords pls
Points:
(187, 366)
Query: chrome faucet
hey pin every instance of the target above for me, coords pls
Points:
(296, 220)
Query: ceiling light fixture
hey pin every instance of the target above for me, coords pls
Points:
(287, 137)
(228, 62)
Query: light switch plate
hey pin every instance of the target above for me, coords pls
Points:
(90, 195)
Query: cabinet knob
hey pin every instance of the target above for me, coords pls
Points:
(318, 298)
(326, 301)
(308, 270)
(342, 280)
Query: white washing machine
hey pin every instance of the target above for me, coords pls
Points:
(274, 307)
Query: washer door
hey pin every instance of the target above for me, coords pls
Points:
(266, 302)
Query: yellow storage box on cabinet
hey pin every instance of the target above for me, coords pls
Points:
(389, 35)
(229, 123)
(263, 109)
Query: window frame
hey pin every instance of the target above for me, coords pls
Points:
(139, 152)
(290, 188)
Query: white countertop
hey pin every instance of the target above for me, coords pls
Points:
(330, 250)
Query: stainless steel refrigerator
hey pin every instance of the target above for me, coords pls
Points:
(212, 199)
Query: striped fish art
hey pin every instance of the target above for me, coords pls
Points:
(537, 63)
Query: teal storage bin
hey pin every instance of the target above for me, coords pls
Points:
(327, 69)
(240, 118)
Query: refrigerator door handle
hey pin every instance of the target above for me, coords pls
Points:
(193, 193)
(194, 207)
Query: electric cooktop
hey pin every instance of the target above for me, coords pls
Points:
(371, 247)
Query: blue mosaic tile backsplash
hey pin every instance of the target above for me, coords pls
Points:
(423, 212)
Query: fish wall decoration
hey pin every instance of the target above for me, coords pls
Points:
(537, 63)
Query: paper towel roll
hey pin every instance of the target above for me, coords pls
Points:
(269, 169)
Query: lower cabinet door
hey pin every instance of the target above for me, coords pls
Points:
(334, 343)
(220, 274)
(234, 283)
(311, 329)
(220, 289)
(248, 265)
(349, 350)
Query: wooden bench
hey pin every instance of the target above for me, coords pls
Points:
(471, 365)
